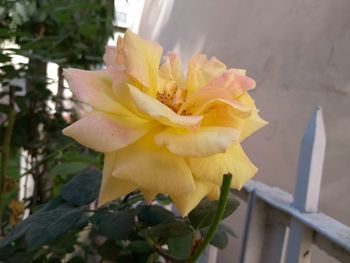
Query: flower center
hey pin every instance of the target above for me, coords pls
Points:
(172, 98)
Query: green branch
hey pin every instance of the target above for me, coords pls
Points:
(225, 189)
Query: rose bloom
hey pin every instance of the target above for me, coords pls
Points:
(161, 131)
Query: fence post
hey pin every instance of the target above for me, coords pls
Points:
(264, 234)
(307, 187)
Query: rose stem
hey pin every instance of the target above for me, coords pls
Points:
(225, 189)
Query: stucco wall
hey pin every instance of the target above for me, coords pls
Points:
(299, 54)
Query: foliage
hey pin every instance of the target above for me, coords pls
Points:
(66, 32)
(126, 230)
(31, 115)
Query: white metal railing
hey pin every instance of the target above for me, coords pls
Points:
(280, 228)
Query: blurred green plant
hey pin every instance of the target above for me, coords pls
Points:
(70, 33)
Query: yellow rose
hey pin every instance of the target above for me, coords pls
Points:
(162, 132)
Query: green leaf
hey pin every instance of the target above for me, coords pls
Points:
(228, 230)
(140, 246)
(53, 203)
(109, 250)
(65, 243)
(83, 188)
(220, 239)
(165, 230)
(180, 247)
(17, 232)
(154, 215)
(204, 213)
(76, 259)
(117, 226)
(68, 168)
(48, 225)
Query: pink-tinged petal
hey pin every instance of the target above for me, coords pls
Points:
(210, 98)
(121, 90)
(157, 110)
(142, 60)
(235, 83)
(94, 88)
(236, 107)
(205, 141)
(234, 161)
(111, 187)
(106, 132)
(110, 56)
(225, 88)
(186, 202)
(201, 71)
(153, 168)
(171, 70)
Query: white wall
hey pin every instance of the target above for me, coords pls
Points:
(299, 54)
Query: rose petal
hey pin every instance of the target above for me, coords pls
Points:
(201, 71)
(148, 195)
(186, 202)
(94, 88)
(251, 124)
(153, 168)
(234, 161)
(236, 107)
(142, 59)
(105, 132)
(214, 194)
(171, 70)
(204, 142)
(111, 187)
(159, 111)
(110, 56)
(233, 81)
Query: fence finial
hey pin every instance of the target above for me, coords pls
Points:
(311, 159)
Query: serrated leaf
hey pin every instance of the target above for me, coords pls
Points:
(154, 215)
(117, 226)
(83, 188)
(53, 203)
(228, 230)
(165, 230)
(24, 226)
(76, 259)
(205, 211)
(180, 247)
(109, 250)
(17, 232)
(140, 246)
(220, 238)
(49, 225)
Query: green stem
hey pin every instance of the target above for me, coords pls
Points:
(225, 189)
(47, 157)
